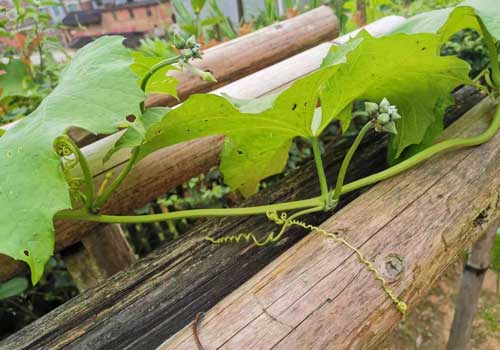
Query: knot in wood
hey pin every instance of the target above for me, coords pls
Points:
(391, 267)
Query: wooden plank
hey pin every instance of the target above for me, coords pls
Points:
(141, 307)
(475, 270)
(172, 166)
(250, 53)
(317, 295)
(100, 254)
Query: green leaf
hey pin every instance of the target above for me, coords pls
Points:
(13, 81)
(406, 69)
(96, 92)
(160, 82)
(13, 287)
(257, 138)
(447, 22)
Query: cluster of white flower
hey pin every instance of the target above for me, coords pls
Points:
(383, 115)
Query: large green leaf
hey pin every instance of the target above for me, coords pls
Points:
(96, 91)
(448, 21)
(406, 69)
(258, 136)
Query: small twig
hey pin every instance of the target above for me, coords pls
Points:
(196, 324)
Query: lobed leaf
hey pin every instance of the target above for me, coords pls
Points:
(406, 69)
(96, 92)
(258, 136)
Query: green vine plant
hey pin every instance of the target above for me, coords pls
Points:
(401, 78)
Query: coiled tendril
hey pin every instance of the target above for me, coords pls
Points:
(72, 157)
(286, 222)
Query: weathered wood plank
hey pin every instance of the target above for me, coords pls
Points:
(159, 295)
(172, 166)
(317, 295)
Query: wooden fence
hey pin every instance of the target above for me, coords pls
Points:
(302, 293)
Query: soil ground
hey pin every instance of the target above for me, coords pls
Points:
(427, 326)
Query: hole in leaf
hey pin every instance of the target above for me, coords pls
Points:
(27, 253)
(131, 118)
(294, 106)
(240, 152)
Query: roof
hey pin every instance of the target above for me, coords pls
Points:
(74, 19)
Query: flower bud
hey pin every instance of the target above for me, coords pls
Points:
(390, 127)
(383, 118)
(384, 106)
(371, 108)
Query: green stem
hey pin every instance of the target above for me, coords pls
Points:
(101, 200)
(194, 213)
(319, 166)
(153, 70)
(156, 68)
(492, 52)
(348, 157)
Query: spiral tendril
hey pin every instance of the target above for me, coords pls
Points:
(72, 157)
(286, 222)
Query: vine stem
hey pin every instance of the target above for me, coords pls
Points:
(348, 158)
(319, 166)
(193, 213)
(154, 69)
(302, 204)
(103, 198)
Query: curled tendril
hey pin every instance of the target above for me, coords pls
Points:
(286, 222)
(72, 157)
(67, 150)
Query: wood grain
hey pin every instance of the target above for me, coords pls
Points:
(317, 295)
(157, 296)
(172, 166)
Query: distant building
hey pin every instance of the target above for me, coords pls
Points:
(88, 20)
